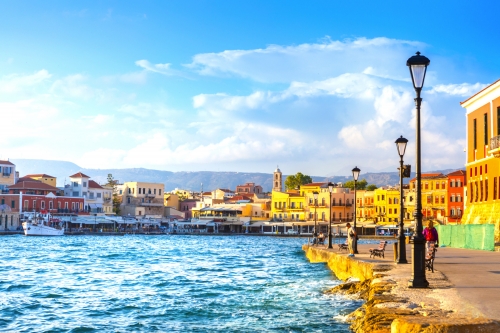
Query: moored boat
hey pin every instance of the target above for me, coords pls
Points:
(42, 225)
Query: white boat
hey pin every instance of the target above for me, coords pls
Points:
(42, 225)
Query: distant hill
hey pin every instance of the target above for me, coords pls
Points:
(185, 180)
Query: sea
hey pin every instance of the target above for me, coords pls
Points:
(167, 283)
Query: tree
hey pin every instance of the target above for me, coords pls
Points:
(371, 187)
(116, 200)
(294, 181)
(361, 184)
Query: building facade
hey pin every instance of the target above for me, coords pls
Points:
(141, 199)
(7, 175)
(482, 165)
(456, 196)
(249, 188)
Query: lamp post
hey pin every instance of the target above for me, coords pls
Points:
(355, 175)
(330, 188)
(418, 67)
(315, 194)
(401, 145)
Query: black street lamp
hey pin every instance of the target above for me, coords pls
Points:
(330, 188)
(418, 67)
(355, 175)
(401, 145)
(315, 194)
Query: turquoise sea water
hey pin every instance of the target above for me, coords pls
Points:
(165, 284)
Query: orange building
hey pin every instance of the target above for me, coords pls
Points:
(483, 158)
(455, 208)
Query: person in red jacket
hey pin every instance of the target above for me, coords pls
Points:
(431, 235)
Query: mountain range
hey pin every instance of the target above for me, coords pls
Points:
(184, 180)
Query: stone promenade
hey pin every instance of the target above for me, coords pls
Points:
(464, 289)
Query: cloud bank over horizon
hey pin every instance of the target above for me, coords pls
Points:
(319, 108)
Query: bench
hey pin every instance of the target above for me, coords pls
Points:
(378, 252)
(343, 246)
(429, 258)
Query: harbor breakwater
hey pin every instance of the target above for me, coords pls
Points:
(390, 306)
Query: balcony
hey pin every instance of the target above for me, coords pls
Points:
(149, 195)
(494, 147)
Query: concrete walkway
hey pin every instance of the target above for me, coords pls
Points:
(474, 274)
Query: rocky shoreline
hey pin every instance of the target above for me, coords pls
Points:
(390, 306)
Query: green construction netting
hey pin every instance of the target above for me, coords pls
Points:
(470, 236)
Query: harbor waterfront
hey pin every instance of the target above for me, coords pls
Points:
(138, 283)
(457, 300)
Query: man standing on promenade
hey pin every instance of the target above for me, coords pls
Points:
(351, 236)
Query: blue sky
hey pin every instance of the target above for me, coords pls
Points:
(312, 86)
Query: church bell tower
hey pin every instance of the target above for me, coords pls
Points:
(277, 180)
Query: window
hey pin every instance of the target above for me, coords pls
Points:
(51, 205)
(437, 185)
(42, 206)
(436, 199)
(84, 184)
(442, 199)
(128, 200)
(486, 190)
(129, 191)
(12, 204)
(485, 129)
(66, 205)
(486, 168)
(98, 195)
(482, 190)
(26, 204)
(475, 133)
(390, 201)
(323, 216)
(34, 204)
(426, 186)
(471, 189)
(429, 199)
(390, 210)
(452, 198)
(159, 192)
(395, 210)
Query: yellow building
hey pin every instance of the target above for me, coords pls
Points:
(483, 158)
(46, 179)
(288, 206)
(7, 175)
(387, 206)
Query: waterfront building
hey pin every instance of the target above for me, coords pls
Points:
(483, 158)
(78, 186)
(44, 178)
(288, 206)
(387, 206)
(7, 175)
(434, 187)
(172, 200)
(248, 188)
(456, 196)
(223, 194)
(98, 199)
(141, 199)
(365, 205)
(186, 206)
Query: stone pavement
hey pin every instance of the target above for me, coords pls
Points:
(474, 274)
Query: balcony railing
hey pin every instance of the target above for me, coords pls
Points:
(149, 195)
(495, 142)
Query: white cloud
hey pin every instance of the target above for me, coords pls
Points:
(74, 86)
(307, 62)
(17, 82)
(164, 69)
(462, 90)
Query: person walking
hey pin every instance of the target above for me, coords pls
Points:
(351, 237)
(431, 235)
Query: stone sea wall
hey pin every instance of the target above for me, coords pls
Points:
(390, 306)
